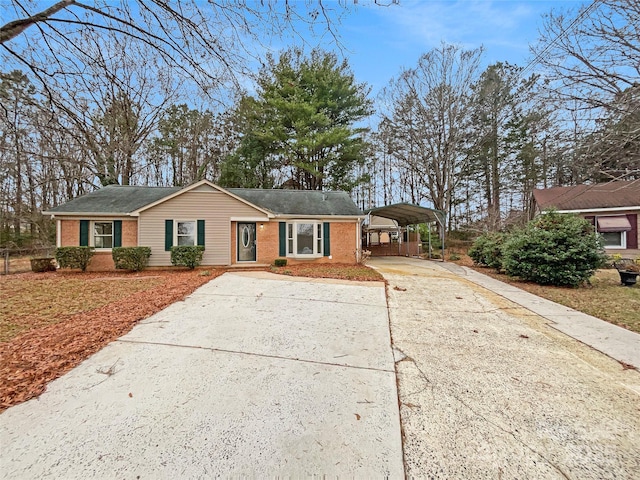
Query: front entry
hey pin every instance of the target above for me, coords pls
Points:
(246, 242)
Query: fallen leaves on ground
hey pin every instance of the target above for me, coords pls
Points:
(56, 342)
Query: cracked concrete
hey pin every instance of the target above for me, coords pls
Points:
(252, 376)
(489, 389)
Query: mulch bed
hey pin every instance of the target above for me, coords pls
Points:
(31, 360)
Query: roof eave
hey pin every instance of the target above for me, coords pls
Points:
(88, 214)
(595, 210)
(304, 215)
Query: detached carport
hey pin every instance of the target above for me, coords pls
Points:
(406, 214)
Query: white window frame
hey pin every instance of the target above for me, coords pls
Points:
(623, 241)
(176, 235)
(292, 239)
(92, 240)
(623, 235)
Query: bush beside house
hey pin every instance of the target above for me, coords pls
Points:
(74, 257)
(189, 256)
(553, 249)
(131, 258)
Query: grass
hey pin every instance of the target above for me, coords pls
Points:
(28, 304)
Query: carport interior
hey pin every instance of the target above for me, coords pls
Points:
(405, 214)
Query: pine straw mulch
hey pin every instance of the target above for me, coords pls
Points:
(49, 348)
(357, 272)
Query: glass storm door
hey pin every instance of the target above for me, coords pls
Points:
(246, 242)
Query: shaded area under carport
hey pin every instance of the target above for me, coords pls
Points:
(406, 214)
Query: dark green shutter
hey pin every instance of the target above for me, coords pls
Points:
(201, 232)
(117, 233)
(326, 239)
(84, 233)
(168, 234)
(283, 239)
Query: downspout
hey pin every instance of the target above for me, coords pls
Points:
(441, 222)
(58, 232)
(359, 240)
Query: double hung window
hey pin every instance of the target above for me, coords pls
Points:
(103, 234)
(185, 233)
(304, 239)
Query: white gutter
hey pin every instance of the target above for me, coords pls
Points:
(87, 214)
(597, 210)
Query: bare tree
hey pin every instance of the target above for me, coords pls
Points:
(208, 43)
(591, 60)
(431, 105)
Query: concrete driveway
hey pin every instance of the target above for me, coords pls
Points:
(254, 375)
(490, 389)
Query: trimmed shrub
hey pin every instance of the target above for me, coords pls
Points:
(280, 262)
(487, 250)
(554, 249)
(45, 264)
(131, 258)
(74, 257)
(189, 256)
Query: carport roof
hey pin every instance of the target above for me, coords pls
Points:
(408, 214)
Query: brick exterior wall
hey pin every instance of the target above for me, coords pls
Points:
(130, 233)
(343, 244)
(69, 233)
(101, 260)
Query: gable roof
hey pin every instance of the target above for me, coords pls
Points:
(114, 199)
(125, 200)
(615, 194)
(300, 202)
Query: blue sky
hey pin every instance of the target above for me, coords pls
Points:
(379, 41)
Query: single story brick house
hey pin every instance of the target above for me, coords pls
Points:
(235, 225)
(612, 207)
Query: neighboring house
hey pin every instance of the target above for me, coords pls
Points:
(235, 225)
(612, 207)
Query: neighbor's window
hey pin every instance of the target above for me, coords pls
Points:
(614, 239)
(103, 234)
(304, 238)
(186, 233)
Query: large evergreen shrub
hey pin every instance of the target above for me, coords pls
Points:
(554, 249)
(487, 250)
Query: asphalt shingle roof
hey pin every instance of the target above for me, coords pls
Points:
(586, 197)
(121, 199)
(299, 202)
(116, 199)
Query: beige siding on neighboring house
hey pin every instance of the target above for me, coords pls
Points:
(203, 203)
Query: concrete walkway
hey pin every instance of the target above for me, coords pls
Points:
(617, 342)
(252, 376)
(491, 389)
